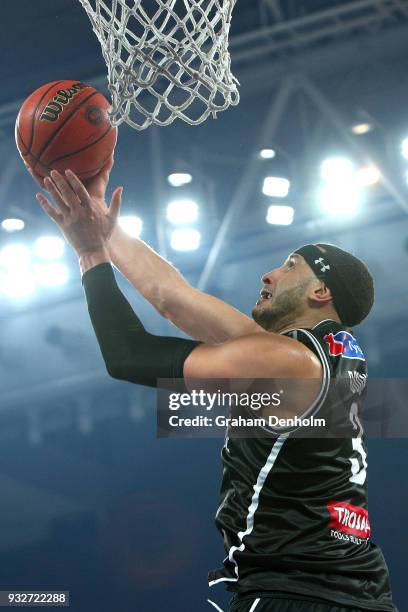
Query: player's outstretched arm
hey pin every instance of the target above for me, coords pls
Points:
(200, 315)
(129, 351)
(133, 354)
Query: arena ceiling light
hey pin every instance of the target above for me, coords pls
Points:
(267, 153)
(181, 212)
(178, 179)
(341, 193)
(12, 225)
(337, 169)
(359, 129)
(340, 200)
(276, 186)
(404, 148)
(15, 257)
(51, 274)
(49, 247)
(280, 215)
(18, 284)
(368, 176)
(16, 278)
(131, 224)
(185, 239)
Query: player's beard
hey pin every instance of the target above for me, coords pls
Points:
(282, 310)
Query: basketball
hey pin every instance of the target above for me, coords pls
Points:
(65, 124)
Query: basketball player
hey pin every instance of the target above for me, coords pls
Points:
(293, 511)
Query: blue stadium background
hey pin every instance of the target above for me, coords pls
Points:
(91, 501)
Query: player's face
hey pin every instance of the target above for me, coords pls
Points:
(284, 295)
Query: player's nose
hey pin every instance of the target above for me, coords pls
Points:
(270, 277)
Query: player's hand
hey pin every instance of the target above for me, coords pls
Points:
(96, 186)
(85, 225)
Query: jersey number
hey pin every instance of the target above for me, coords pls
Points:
(358, 465)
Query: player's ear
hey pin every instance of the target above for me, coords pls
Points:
(320, 293)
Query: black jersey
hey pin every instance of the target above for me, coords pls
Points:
(293, 511)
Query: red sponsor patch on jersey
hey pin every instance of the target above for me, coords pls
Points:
(336, 347)
(343, 344)
(349, 519)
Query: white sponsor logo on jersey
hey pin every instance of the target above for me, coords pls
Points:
(357, 382)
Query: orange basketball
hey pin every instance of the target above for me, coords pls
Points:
(65, 124)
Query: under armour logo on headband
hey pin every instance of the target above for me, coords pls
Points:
(321, 262)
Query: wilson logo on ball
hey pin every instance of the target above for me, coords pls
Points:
(65, 124)
(54, 108)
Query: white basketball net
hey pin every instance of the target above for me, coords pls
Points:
(166, 59)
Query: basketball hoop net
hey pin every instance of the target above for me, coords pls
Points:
(166, 59)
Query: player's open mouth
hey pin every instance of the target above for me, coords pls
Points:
(266, 294)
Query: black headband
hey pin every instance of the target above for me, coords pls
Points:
(325, 266)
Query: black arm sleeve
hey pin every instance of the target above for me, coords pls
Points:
(129, 351)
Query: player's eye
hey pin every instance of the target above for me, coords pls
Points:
(290, 263)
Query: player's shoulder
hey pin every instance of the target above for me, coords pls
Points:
(339, 341)
(333, 342)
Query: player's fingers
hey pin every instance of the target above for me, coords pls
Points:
(52, 189)
(70, 197)
(115, 203)
(78, 187)
(50, 210)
